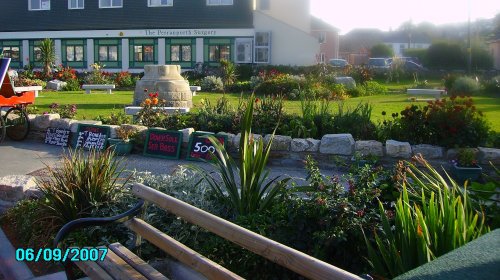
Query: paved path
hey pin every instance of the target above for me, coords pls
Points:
(28, 156)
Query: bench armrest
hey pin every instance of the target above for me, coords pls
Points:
(86, 222)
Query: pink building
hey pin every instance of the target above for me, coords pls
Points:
(328, 37)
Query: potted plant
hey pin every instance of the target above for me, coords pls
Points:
(465, 166)
(123, 144)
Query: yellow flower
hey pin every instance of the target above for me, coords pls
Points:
(147, 101)
(154, 101)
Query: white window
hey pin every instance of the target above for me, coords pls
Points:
(219, 2)
(160, 3)
(243, 49)
(75, 4)
(322, 57)
(110, 3)
(262, 47)
(322, 37)
(37, 5)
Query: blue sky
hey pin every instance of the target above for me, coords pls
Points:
(386, 14)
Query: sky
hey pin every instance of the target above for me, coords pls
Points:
(386, 14)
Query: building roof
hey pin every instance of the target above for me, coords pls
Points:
(402, 37)
(319, 24)
(135, 14)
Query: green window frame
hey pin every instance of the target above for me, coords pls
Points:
(13, 50)
(35, 54)
(217, 49)
(181, 52)
(108, 52)
(143, 52)
(74, 53)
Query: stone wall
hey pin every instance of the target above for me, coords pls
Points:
(292, 151)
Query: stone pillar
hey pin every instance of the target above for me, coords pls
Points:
(90, 53)
(199, 50)
(125, 55)
(58, 51)
(168, 82)
(26, 53)
(161, 51)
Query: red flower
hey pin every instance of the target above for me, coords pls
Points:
(257, 100)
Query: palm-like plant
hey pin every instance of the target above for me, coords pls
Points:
(246, 187)
(48, 55)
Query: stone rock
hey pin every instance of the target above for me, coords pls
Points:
(74, 126)
(56, 85)
(186, 133)
(428, 151)
(348, 82)
(305, 145)
(42, 122)
(112, 130)
(487, 155)
(17, 187)
(236, 139)
(230, 137)
(280, 142)
(337, 144)
(397, 149)
(369, 147)
(61, 123)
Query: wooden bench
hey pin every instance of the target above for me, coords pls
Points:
(88, 88)
(414, 92)
(36, 89)
(123, 264)
(194, 89)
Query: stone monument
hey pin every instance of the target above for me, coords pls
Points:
(168, 82)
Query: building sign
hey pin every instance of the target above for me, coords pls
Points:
(57, 136)
(181, 32)
(92, 136)
(200, 147)
(163, 143)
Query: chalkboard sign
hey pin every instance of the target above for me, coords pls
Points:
(92, 136)
(200, 148)
(163, 143)
(57, 136)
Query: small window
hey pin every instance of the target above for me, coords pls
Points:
(219, 2)
(110, 3)
(75, 4)
(11, 52)
(262, 47)
(180, 53)
(322, 37)
(218, 52)
(39, 5)
(108, 53)
(160, 3)
(144, 53)
(74, 53)
(37, 54)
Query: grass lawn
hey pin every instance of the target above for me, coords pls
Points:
(95, 104)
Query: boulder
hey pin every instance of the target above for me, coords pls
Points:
(230, 137)
(42, 122)
(236, 139)
(487, 155)
(304, 145)
(280, 142)
(428, 151)
(112, 130)
(56, 85)
(17, 187)
(397, 149)
(348, 82)
(369, 147)
(337, 144)
(62, 123)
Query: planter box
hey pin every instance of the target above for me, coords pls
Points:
(466, 173)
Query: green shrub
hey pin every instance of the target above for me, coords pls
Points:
(212, 84)
(437, 220)
(82, 183)
(29, 222)
(373, 88)
(239, 87)
(381, 50)
(281, 84)
(124, 80)
(449, 80)
(492, 85)
(445, 55)
(72, 85)
(355, 121)
(26, 82)
(115, 118)
(465, 86)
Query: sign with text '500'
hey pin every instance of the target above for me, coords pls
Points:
(200, 147)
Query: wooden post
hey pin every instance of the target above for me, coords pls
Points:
(285, 256)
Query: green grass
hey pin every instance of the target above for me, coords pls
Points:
(95, 104)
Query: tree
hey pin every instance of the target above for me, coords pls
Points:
(48, 56)
(445, 55)
(381, 50)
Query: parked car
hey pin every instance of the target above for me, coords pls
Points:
(409, 66)
(338, 63)
(379, 64)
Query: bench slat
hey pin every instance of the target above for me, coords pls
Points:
(179, 251)
(283, 255)
(137, 263)
(93, 270)
(118, 268)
